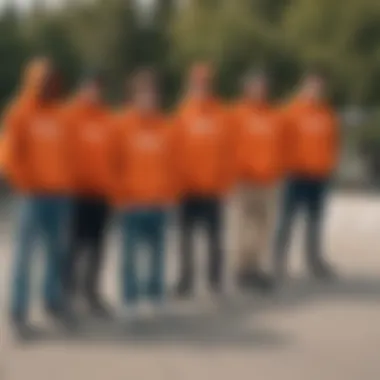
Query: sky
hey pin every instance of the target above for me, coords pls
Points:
(26, 3)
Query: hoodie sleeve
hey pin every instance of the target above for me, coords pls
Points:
(177, 154)
(3, 153)
(69, 116)
(174, 155)
(15, 145)
(115, 190)
(230, 150)
(286, 119)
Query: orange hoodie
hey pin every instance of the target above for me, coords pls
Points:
(38, 160)
(312, 135)
(205, 146)
(3, 154)
(146, 163)
(259, 143)
(92, 142)
(28, 92)
(38, 150)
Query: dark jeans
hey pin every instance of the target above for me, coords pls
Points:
(143, 226)
(308, 194)
(207, 213)
(88, 228)
(45, 218)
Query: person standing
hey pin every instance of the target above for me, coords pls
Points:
(92, 134)
(39, 168)
(312, 153)
(260, 169)
(28, 94)
(205, 167)
(3, 153)
(146, 190)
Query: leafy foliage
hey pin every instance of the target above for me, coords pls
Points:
(284, 36)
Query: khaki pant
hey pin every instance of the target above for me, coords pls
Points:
(257, 218)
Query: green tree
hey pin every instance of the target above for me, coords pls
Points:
(232, 34)
(13, 51)
(46, 33)
(344, 35)
(104, 32)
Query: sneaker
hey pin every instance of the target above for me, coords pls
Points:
(322, 271)
(243, 279)
(21, 329)
(63, 315)
(99, 308)
(281, 273)
(256, 279)
(183, 291)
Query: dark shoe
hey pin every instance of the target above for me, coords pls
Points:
(183, 291)
(217, 288)
(98, 308)
(280, 273)
(23, 332)
(54, 311)
(62, 315)
(322, 271)
(256, 279)
(243, 279)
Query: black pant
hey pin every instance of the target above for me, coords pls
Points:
(206, 212)
(311, 195)
(88, 227)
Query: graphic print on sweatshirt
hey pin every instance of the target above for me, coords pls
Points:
(45, 129)
(204, 126)
(93, 133)
(261, 125)
(148, 142)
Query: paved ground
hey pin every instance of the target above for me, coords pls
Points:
(308, 331)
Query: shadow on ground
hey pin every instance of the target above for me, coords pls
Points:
(225, 325)
(207, 330)
(301, 292)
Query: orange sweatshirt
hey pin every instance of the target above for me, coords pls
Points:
(26, 97)
(38, 150)
(146, 163)
(3, 154)
(205, 146)
(92, 142)
(312, 135)
(259, 143)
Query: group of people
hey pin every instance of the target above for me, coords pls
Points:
(75, 163)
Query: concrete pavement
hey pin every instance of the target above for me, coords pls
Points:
(307, 331)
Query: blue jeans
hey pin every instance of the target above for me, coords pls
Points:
(207, 213)
(310, 195)
(43, 217)
(139, 227)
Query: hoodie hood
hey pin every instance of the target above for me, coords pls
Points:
(301, 102)
(29, 88)
(191, 105)
(254, 104)
(33, 78)
(145, 119)
(78, 104)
